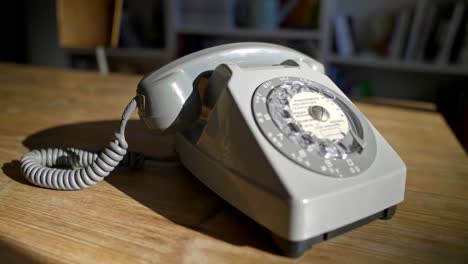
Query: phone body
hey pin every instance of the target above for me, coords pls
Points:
(281, 142)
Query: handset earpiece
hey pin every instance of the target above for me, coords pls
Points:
(167, 100)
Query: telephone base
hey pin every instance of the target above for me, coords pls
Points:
(295, 249)
(217, 177)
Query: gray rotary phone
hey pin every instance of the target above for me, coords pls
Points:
(280, 142)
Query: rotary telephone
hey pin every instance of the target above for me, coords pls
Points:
(280, 142)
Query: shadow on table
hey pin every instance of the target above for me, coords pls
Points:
(13, 254)
(169, 190)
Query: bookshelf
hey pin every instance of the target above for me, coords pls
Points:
(318, 42)
(406, 66)
(143, 53)
(372, 78)
(175, 30)
(254, 33)
(409, 77)
(365, 12)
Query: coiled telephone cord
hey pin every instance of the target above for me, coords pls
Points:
(38, 165)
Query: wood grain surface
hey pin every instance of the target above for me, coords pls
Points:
(162, 214)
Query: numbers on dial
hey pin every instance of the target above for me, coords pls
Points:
(311, 125)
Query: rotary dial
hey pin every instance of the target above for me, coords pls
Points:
(313, 126)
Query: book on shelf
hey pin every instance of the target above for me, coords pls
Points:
(443, 45)
(438, 31)
(304, 16)
(452, 31)
(380, 31)
(428, 24)
(459, 54)
(415, 33)
(400, 34)
(344, 35)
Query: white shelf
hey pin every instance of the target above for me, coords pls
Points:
(137, 53)
(253, 33)
(413, 66)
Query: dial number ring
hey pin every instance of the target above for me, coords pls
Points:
(347, 151)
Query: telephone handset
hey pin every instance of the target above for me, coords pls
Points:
(167, 98)
(281, 143)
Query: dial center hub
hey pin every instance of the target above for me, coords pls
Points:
(319, 113)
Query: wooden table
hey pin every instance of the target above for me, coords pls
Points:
(163, 214)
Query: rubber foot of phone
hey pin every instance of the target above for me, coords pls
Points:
(295, 249)
(389, 213)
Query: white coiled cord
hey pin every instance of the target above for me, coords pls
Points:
(37, 165)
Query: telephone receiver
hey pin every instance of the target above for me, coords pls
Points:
(281, 143)
(168, 98)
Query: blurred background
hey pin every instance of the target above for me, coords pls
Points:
(410, 53)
